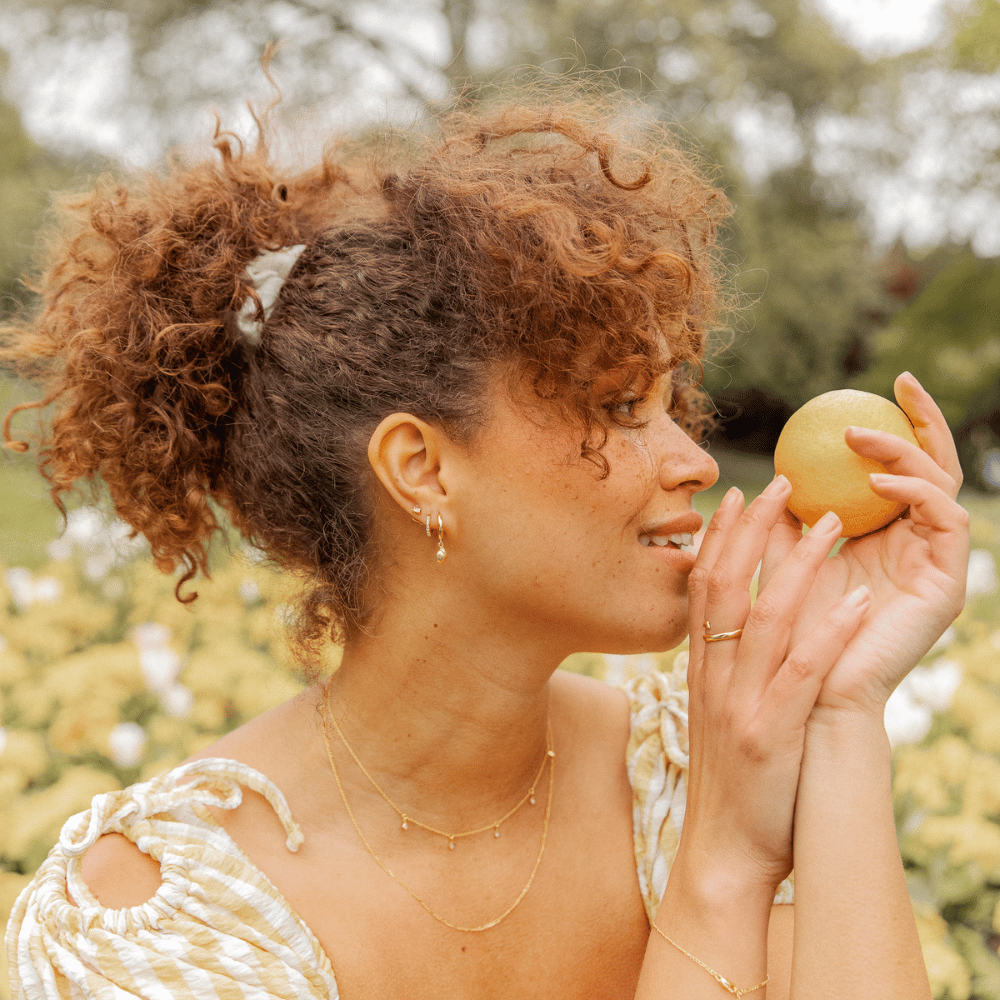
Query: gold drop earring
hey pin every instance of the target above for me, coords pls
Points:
(441, 554)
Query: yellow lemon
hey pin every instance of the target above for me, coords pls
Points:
(825, 474)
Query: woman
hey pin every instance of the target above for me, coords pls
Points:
(449, 382)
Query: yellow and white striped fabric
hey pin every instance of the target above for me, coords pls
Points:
(217, 929)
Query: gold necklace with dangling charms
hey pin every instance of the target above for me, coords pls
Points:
(406, 820)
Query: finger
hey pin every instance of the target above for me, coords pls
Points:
(784, 537)
(795, 687)
(728, 584)
(899, 457)
(929, 425)
(933, 509)
(716, 534)
(769, 624)
(719, 527)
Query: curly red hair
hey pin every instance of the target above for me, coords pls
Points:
(528, 236)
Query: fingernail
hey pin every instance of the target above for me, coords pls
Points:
(878, 478)
(733, 494)
(776, 487)
(827, 523)
(912, 377)
(858, 597)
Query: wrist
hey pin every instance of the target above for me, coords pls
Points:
(711, 895)
(853, 728)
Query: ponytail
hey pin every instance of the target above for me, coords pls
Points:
(140, 346)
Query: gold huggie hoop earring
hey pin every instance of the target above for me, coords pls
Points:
(427, 526)
(441, 554)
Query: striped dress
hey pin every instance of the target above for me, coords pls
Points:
(217, 929)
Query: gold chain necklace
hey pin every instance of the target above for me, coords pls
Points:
(406, 820)
(549, 756)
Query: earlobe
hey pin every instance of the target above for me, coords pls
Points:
(404, 452)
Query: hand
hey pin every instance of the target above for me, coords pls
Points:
(750, 697)
(915, 567)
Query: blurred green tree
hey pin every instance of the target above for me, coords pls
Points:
(28, 175)
(949, 337)
(802, 123)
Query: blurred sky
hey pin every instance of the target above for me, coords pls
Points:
(885, 26)
(65, 86)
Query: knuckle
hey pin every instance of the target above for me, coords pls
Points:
(800, 666)
(754, 745)
(754, 515)
(720, 581)
(698, 581)
(765, 614)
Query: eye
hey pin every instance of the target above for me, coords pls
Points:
(624, 406)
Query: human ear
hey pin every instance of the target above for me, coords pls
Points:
(405, 453)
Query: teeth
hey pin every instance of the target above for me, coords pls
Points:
(680, 540)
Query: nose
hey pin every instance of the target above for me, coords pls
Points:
(685, 463)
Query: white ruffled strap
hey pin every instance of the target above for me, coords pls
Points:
(214, 781)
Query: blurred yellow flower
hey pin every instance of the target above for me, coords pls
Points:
(84, 725)
(969, 839)
(39, 816)
(946, 970)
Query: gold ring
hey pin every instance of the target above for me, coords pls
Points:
(720, 636)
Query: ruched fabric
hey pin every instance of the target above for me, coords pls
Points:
(216, 928)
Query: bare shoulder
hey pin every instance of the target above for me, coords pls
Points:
(596, 714)
(118, 873)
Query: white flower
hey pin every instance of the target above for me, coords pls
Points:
(127, 742)
(252, 554)
(250, 590)
(25, 590)
(160, 666)
(935, 685)
(3, 739)
(906, 720)
(21, 586)
(96, 567)
(177, 700)
(84, 526)
(103, 538)
(982, 578)
(151, 635)
(60, 549)
(48, 590)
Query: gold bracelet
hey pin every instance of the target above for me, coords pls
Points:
(721, 980)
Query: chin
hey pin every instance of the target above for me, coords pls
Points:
(646, 641)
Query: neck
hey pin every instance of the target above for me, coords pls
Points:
(452, 736)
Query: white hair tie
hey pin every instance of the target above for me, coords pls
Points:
(267, 273)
